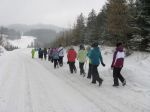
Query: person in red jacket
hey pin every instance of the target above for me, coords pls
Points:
(72, 55)
(117, 64)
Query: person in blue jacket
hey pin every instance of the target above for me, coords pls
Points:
(96, 58)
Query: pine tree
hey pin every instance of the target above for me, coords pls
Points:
(143, 22)
(79, 30)
(92, 31)
(101, 25)
(117, 20)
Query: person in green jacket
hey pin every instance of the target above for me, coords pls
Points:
(33, 53)
(82, 54)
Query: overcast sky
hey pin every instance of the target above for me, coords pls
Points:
(57, 12)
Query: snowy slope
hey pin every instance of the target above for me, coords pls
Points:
(33, 85)
(24, 42)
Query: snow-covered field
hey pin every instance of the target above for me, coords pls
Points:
(33, 85)
(24, 42)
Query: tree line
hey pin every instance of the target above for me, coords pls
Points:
(126, 21)
(5, 34)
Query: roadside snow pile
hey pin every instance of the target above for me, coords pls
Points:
(24, 42)
(2, 50)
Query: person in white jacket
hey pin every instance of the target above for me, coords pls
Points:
(61, 55)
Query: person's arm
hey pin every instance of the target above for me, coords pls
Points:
(114, 59)
(75, 54)
(101, 59)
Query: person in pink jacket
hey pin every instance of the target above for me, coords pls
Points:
(117, 64)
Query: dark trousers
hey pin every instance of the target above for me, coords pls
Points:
(61, 60)
(117, 75)
(95, 74)
(72, 67)
(55, 62)
(49, 58)
(89, 71)
(81, 66)
(45, 56)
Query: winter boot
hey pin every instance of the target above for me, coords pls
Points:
(100, 82)
(124, 83)
(115, 85)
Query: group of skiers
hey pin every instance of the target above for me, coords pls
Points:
(93, 55)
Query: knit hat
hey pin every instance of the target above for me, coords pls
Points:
(95, 44)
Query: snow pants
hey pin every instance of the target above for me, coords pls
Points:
(72, 67)
(33, 55)
(61, 60)
(95, 74)
(117, 75)
(81, 66)
(90, 71)
(55, 62)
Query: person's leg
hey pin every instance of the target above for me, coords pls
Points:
(121, 78)
(55, 63)
(97, 77)
(44, 56)
(80, 68)
(49, 58)
(115, 76)
(74, 67)
(93, 74)
(90, 71)
(71, 67)
(60, 60)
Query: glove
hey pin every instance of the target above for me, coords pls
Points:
(103, 64)
(112, 67)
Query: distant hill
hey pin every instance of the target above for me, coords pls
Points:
(25, 28)
(44, 33)
(43, 36)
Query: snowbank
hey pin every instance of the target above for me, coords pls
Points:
(24, 42)
(2, 50)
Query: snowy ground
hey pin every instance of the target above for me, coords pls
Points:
(33, 85)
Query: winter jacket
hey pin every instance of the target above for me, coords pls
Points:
(95, 56)
(33, 51)
(82, 56)
(41, 53)
(71, 55)
(55, 54)
(118, 58)
(50, 52)
(45, 51)
(61, 51)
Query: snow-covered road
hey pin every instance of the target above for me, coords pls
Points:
(32, 85)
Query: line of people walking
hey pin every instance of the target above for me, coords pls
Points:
(91, 55)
